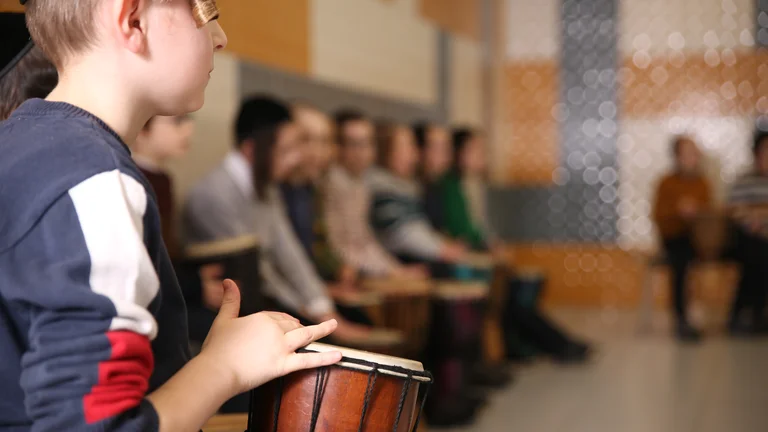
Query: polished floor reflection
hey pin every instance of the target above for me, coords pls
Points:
(637, 383)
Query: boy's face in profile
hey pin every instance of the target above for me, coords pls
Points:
(167, 137)
(176, 60)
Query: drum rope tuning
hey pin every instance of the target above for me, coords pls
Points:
(322, 374)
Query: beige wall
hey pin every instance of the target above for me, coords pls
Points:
(466, 104)
(659, 26)
(374, 46)
(213, 126)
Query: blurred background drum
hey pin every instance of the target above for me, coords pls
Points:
(363, 392)
(404, 306)
(454, 343)
(239, 261)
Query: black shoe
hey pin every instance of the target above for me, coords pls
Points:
(458, 412)
(574, 354)
(741, 329)
(686, 333)
(493, 376)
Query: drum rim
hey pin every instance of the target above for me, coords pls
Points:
(457, 289)
(382, 359)
(215, 248)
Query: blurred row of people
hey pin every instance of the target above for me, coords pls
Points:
(336, 201)
(684, 199)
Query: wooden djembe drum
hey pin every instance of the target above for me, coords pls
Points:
(364, 392)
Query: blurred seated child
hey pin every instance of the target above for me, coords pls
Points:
(348, 202)
(161, 140)
(397, 212)
(681, 196)
(241, 197)
(303, 197)
(748, 204)
(461, 186)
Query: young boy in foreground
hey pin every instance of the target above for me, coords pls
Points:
(92, 322)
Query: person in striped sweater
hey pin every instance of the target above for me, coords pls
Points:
(748, 204)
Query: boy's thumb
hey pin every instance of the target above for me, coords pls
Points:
(230, 303)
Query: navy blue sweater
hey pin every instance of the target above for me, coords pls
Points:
(91, 315)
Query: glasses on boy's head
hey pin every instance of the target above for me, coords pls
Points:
(204, 11)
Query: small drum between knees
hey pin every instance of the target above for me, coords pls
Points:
(480, 261)
(364, 392)
(239, 257)
(460, 290)
(458, 311)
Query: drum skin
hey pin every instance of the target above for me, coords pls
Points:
(341, 406)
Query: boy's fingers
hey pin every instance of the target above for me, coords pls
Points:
(304, 336)
(288, 325)
(230, 303)
(296, 361)
(279, 316)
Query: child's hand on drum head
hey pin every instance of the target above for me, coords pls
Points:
(255, 349)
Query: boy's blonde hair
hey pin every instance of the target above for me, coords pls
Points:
(66, 27)
(61, 27)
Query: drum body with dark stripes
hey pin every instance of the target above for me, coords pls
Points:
(364, 392)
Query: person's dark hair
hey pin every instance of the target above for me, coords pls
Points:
(760, 140)
(420, 132)
(259, 122)
(677, 142)
(461, 137)
(344, 117)
(32, 77)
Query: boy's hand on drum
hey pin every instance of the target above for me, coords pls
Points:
(255, 349)
(347, 330)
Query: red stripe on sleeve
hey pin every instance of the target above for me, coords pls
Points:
(123, 379)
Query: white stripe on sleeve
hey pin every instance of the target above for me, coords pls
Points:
(110, 207)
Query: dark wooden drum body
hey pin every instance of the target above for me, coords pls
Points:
(364, 392)
(404, 306)
(239, 258)
(458, 310)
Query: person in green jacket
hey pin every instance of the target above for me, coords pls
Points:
(464, 218)
(462, 192)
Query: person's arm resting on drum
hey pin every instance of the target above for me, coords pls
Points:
(80, 288)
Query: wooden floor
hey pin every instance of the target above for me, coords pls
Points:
(647, 383)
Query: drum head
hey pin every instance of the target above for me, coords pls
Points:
(479, 261)
(370, 357)
(398, 287)
(456, 290)
(221, 248)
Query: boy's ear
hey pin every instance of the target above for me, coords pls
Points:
(131, 19)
